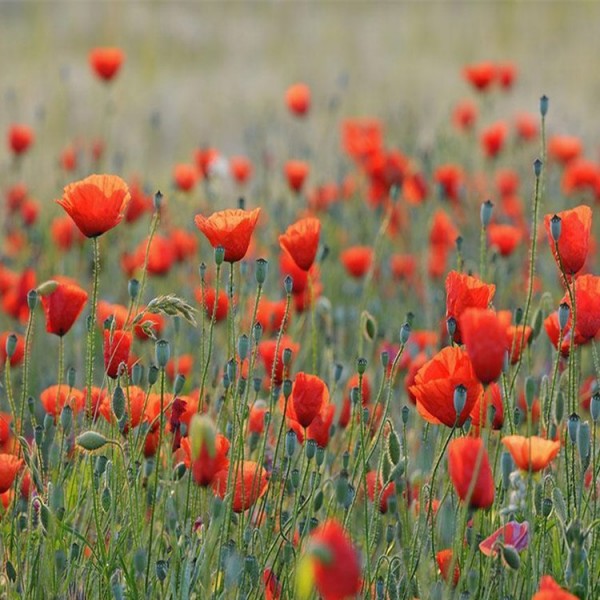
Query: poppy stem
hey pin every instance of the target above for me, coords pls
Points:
(92, 324)
(25, 383)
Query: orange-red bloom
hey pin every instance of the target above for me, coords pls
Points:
(20, 138)
(504, 237)
(10, 465)
(480, 75)
(297, 98)
(208, 302)
(376, 491)
(309, 395)
(357, 260)
(491, 396)
(55, 397)
(486, 342)
(470, 471)
(533, 453)
(106, 62)
(493, 138)
(185, 176)
(574, 240)
(240, 168)
(564, 148)
(96, 203)
(296, 172)
(444, 561)
(436, 381)
(249, 483)
(230, 229)
(506, 73)
(464, 115)
(205, 466)
(550, 590)
(587, 304)
(116, 350)
(301, 240)
(337, 570)
(462, 292)
(63, 305)
(266, 351)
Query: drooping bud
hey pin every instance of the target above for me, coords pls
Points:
(563, 315)
(555, 227)
(460, 399)
(91, 440)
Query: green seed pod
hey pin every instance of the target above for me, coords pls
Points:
(318, 501)
(243, 346)
(393, 447)
(118, 402)
(547, 505)
(361, 366)
(511, 557)
(153, 372)
(295, 478)
(178, 384)
(262, 268)
(320, 456)
(290, 443)
(310, 449)
(179, 471)
(560, 506)
(11, 345)
(341, 488)
(219, 255)
(543, 111)
(573, 426)
(137, 373)
(595, 407)
(45, 515)
(385, 359)
(529, 391)
(11, 572)
(162, 353)
(91, 440)
(485, 213)
(583, 443)
(506, 465)
(288, 284)
(536, 324)
(405, 414)
(559, 409)
(32, 299)
(162, 568)
(66, 418)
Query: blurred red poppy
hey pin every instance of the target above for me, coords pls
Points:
(205, 466)
(249, 481)
(493, 138)
(505, 238)
(185, 176)
(266, 351)
(435, 385)
(336, 568)
(297, 98)
(273, 588)
(55, 397)
(357, 260)
(10, 465)
(444, 561)
(240, 168)
(205, 158)
(140, 202)
(491, 396)
(550, 590)
(506, 73)
(376, 490)
(464, 115)
(116, 350)
(480, 75)
(208, 302)
(63, 305)
(564, 148)
(470, 471)
(96, 203)
(106, 62)
(526, 126)
(20, 138)
(533, 453)
(296, 172)
(309, 395)
(403, 266)
(573, 243)
(231, 229)
(301, 241)
(451, 179)
(587, 304)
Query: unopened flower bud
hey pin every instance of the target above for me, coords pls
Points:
(563, 315)
(287, 388)
(361, 365)
(583, 441)
(405, 333)
(573, 426)
(91, 440)
(595, 407)
(158, 197)
(219, 255)
(544, 105)
(290, 443)
(133, 287)
(32, 299)
(288, 284)
(485, 213)
(11, 345)
(243, 346)
(163, 353)
(262, 267)
(460, 399)
(511, 557)
(537, 167)
(555, 227)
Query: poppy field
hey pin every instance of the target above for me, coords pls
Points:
(318, 353)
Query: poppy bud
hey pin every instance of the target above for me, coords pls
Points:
(485, 213)
(405, 414)
(262, 267)
(108, 323)
(355, 395)
(219, 255)
(257, 332)
(559, 409)
(157, 202)
(595, 407)
(137, 373)
(460, 399)
(162, 568)
(11, 345)
(544, 105)
(310, 449)
(583, 442)
(506, 466)
(202, 271)
(178, 384)
(537, 167)
(393, 447)
(91, 440)
(66, 418)
(405, 332)
(573, 426)
(241, 386)
(337, 374)
(563, 315)
(342, 489)
(287, 388)
(243, 345)
(106, 499)
(163, 353)
(538, 319)
(547, 505)
(295, 478)
(290, 443)
(365, 415)
(320, 456)
(529, 391)
(38, 435)
(71, 377)
(288, 284)
(231, 369)
(202, 435)
(518, 416)
(133, 287)
(32, 298)
(518, 315)
(226, 384)
(555, 227)
(385, 359)
(118, 402)
(511, 557)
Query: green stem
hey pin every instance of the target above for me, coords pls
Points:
(91, 337)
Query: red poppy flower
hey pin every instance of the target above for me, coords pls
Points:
(587, 303)
(106, 62)
(55, 397)
(205, 159)
(484, 336)
(464, 115)
(564, 148)
(296, 172)
(161, 255)
(96, 203)
(231, 229)
(140, 202)
(491, 396)
(151, 321)
(493, 138)
(375, 490)
(470, 471)
(436, 382)
(581, 176)
(185, 177)
(240, 168)
(414, 188)
(444, 561)
(513, 534)
(297, 98)
(301, 240)
(574, 240)
(504, 237)
(533, 453)
(462, 292)
(270, 314)
(65, 233)
(550, 590)
(481, 75)
(14, 301)
(19, 353)
(10, 465)
(117, 311)
(183, 243)
(266, 351)
(403, 266)
(309, 395)
(320, 428)
(288, 266)
(68, 159)
(526, 126)
(357, 260)
(256, 418)
(116, 350)
(362, 137)
(451, 180)
(506, 73)
(249, 481)
(336, 568)
(507, 182)
(20, 138)
(63, 305)
(517, 336)
(552, 327)
(205, 466)
(208, 302)
(272, 586)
